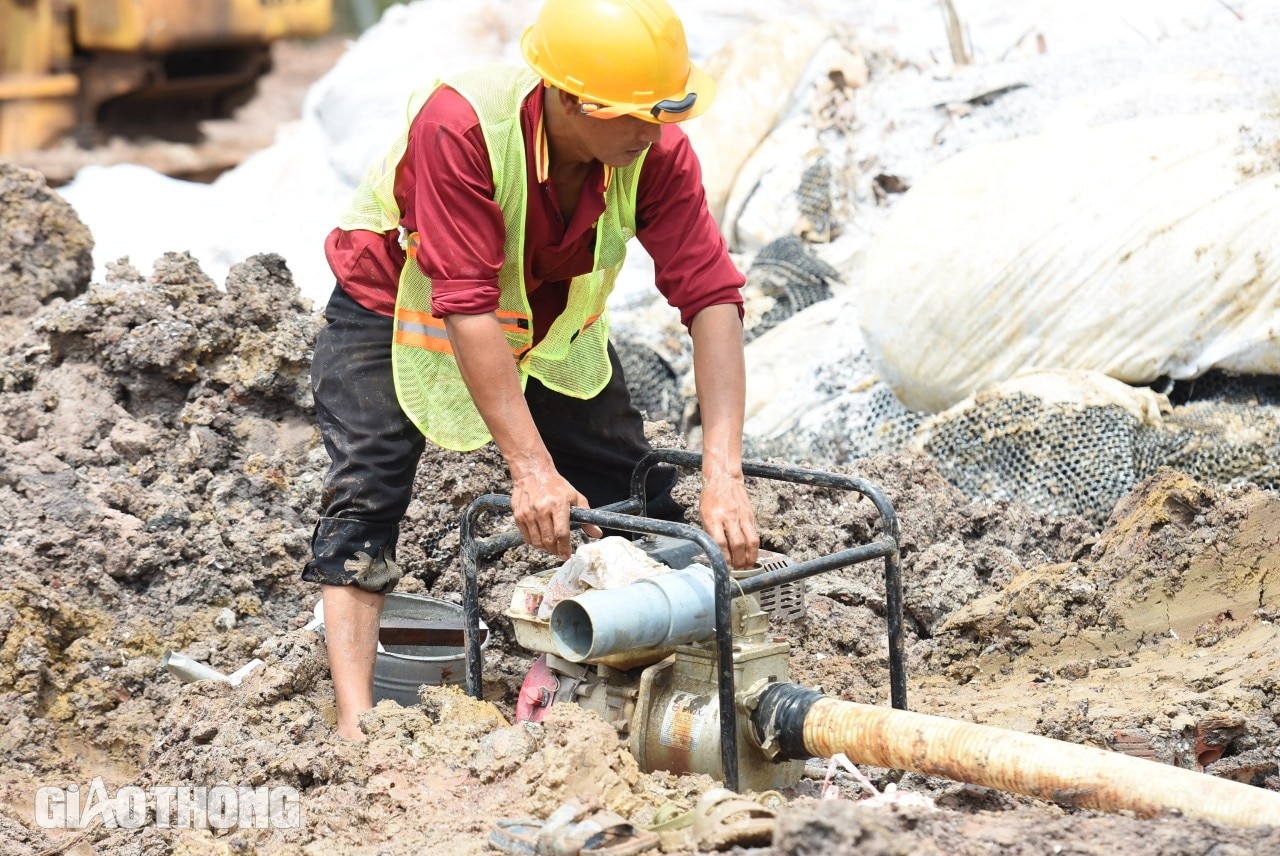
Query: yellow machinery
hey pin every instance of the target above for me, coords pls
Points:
(67, 64)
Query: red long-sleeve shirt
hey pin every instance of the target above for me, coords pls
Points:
(444, 189)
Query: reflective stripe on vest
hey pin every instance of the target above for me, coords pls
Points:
(571, 358)
(424, 330)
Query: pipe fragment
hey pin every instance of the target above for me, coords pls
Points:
(190, 670)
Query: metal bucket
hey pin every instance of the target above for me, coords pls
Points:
(401, 669)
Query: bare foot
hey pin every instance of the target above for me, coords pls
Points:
(352, 733)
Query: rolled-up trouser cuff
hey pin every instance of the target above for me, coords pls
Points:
(337, 540)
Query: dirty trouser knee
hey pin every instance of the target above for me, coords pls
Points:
(597, 442)
(373, 446)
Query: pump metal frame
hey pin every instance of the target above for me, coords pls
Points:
(628, 516)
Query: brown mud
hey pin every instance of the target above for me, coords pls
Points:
(159, 481)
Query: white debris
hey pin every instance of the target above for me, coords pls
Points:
(610, 562)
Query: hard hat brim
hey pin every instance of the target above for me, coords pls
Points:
(698, 83)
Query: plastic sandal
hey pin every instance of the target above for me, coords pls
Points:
(516, 836)
(670, 818)
(724, 819)
(673, 825)
(577, 828)
(529, 836)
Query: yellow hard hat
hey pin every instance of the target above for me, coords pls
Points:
(619, 57)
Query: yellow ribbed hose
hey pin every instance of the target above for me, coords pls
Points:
(1064, 773)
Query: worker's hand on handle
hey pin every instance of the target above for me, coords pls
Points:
(720, 374)
(727, 516)
(540, 499)
(540, 496)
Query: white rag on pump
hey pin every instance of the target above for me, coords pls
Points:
(611, 562)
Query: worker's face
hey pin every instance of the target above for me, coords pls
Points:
(617, 141)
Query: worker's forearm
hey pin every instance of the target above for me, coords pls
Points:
(720, 376)
(490, 374)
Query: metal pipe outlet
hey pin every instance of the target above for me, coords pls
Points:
(661, 611)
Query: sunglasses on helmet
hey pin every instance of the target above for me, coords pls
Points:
(664, 111)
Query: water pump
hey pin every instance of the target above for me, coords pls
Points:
(676, 661)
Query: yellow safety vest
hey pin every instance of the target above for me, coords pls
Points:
(572, 357)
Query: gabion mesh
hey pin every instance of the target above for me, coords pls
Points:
(814, 195)
(652, 381)
(1058, 457)
(1064, 458)
(852, 416)
(783, 279)
(1226, 442)
(1228, 388)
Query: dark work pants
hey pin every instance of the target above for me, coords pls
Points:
(374, 448)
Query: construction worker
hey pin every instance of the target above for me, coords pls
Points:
(473, 269)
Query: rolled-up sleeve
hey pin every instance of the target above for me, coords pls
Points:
(447, 176)
(691, 261)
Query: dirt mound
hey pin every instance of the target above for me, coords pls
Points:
(157, 468)
(45, 251)
(1160, 641)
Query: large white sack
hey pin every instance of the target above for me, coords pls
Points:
(362, 103)
(757, 75)
(775, 191)
(780, 360)
(178, 216)
(1141, 249)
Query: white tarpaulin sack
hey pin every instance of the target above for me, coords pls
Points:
(757, 76)
(1143, 249)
